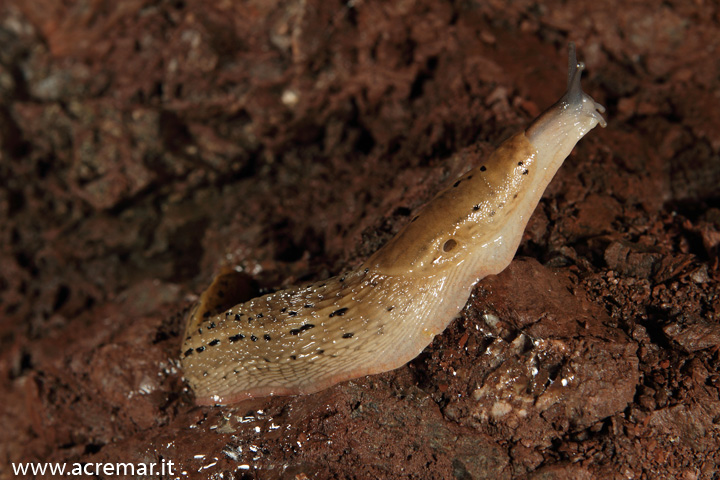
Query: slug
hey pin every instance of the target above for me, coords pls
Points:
(384, 313)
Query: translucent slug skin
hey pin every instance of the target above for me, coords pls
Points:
(383, 314)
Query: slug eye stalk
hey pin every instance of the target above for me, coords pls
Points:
(575, 97)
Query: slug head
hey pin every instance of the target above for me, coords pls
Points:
(559, 128)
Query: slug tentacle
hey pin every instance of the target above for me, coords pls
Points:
(574, 97)
(384, 313)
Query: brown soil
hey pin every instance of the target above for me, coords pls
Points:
(144, 145)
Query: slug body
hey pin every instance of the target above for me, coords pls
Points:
(383, 314)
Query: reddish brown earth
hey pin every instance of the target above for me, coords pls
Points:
(146, 144)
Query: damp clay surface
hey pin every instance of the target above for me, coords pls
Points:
(146, 145)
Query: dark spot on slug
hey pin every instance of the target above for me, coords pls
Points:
(348, 335)
(282, 310)
(526, 171)
(267, 337)
(237, 337)
(293, 357)
(295, 331)
(214, 342)
(456, 183)
(188, 351)
(308, 305)
(520, 164)
(253, 338)
(200, 331)
(237, 317)
(515, 196)
(307, 326)
(200, 349)
(476, 207)
(211, 326)
(469, 177)
(339, 312)
(228, 313)
(320, 351)
(366, 270)
(482, 169)
(449, 245)
(390, 309)
(205, 374)
(266, 359)
(342, 279)
(259, 315)
(292, 313)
